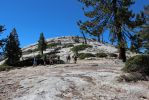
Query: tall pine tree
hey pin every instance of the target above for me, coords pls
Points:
(12, 50)
(42, 45)
(114, 15)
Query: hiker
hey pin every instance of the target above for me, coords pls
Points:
(75, 58)
(50, 60)
(68, 58)
(44, 59)
(34, 62)
(58, 59)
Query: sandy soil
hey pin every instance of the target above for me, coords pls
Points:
(86, 80)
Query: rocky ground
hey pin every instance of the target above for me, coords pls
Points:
(86, 80)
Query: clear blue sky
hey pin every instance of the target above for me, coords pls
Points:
(52, 17)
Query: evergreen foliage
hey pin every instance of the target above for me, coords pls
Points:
(42, 45)
(2, 41)
(52, 45)
(12, 50)
(144, 33)
(101, 55)
(78, 48)
(85, 55)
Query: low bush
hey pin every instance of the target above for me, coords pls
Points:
(5, 67)
(113, 55)
(53, 45)
(80, 47)
(101, 55)
(131, 77)
(85, 55)
(68, 45)
(139, 63)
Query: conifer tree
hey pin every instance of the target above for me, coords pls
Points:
(114, 15)
(12, 50)
(42, 45)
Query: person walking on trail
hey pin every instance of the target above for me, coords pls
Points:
(50, 60)
(68, 58)
(58, 59)
(34, 62)
(44, 59)
(75, 57)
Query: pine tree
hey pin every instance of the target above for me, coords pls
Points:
(42, 45)
(114, 15)
(12, 50)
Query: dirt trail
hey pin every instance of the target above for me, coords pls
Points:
(86, 80)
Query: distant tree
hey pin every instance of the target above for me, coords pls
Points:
(114, 15)
(12, 50)
(42, 45)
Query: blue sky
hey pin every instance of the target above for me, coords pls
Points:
(52, 17)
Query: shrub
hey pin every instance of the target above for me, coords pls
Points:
(53, 45)
(5, 67)
(80, 47)
(101, 55)
(131, 77)
(68, 45)
(139, 63)
(113, 55)
(85, 55)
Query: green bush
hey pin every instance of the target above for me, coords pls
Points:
(101, 55)
(131, 77)
(53, 45)
(139, 63)
(5, 67)
(85, 55)
(113, 55)
(80, 47)
(68, 45)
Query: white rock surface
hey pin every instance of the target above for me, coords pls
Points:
(86, 80)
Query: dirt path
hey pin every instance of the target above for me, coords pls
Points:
(86, 80)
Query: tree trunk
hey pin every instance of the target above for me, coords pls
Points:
(41, 52)
(85, 41)
(98, 38)
(121, 47)
(122, 54)
(102, 38)
(121, 43)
